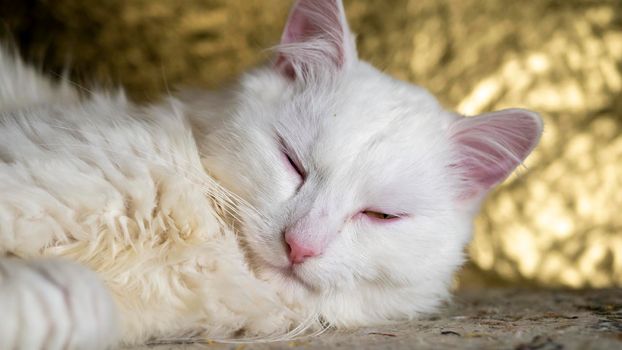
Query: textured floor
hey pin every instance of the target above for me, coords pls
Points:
(484, 319)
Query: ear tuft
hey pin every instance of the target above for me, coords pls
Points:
(316, 36)
(490, 146)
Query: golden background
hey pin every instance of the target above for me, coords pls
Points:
(557, 223)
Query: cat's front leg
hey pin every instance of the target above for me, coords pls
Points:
(54, 304)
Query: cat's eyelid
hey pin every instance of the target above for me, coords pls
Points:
(381, 215)
(292, 157)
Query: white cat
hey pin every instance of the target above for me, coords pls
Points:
(317, 192)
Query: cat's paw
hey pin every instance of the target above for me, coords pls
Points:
(52, 304)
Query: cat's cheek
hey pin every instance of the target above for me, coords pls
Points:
(263, 243)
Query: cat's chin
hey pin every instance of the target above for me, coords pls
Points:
(291, 276)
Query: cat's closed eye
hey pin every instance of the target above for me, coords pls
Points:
(379, 215)
(293, 164)
(291, 159)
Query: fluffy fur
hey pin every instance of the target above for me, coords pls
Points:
(182, 208)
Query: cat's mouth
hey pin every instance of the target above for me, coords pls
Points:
(273, 267)
(292, 275)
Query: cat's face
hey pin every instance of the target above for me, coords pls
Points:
(354, 173)
(357, 180)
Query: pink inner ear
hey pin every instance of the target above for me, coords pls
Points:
(491, 146)
(309, 18)
(316, 34)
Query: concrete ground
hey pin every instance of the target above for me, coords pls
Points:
(482, 319)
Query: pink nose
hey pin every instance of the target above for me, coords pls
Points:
(298, 253)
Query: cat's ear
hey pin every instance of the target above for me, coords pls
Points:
(490, 146)
(316, 36)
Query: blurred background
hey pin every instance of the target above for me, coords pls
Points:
(558, 223)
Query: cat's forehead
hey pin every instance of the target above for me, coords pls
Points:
(371, 131)
(362, 109)
(369, 113)
(383, 146)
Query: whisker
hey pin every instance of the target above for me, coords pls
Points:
(64, 78)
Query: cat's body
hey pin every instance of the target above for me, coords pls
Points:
(316, 191)
(121, 190)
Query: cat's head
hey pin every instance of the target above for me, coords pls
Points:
(363, 186)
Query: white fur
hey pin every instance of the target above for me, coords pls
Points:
(121, 190)
(49, 304)
(180, 207)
